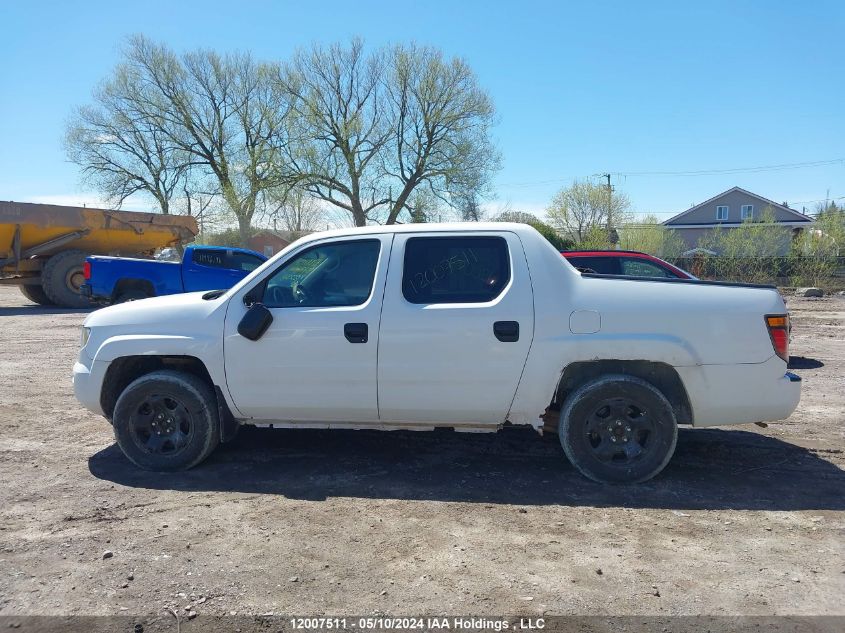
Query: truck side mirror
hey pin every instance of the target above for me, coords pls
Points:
(255, 322)
(253, 296)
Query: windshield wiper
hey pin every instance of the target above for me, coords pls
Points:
(214, 294)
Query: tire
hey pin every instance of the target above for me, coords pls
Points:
(632, 411)
(61, 278)
(131, 295)
(167, 421)
(36, 294)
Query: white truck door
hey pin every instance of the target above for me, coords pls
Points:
(317, 360)
(456, 327)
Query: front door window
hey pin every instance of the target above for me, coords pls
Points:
(337, 274)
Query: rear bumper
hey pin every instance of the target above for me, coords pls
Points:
(740, 394)
(87, 290)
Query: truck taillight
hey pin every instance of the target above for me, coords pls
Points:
(86, 270)
(778, 325)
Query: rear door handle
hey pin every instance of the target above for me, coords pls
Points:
(356, 332)
(506, 331)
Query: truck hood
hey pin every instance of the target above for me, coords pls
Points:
(159, 312)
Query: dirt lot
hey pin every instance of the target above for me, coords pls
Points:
(743, 521)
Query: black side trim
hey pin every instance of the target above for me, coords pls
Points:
(228, 424)
(698, 282)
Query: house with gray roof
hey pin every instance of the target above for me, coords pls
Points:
(728, 210)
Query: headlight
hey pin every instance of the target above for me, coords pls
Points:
(86, 334)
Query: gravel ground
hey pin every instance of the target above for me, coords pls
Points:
(744, 521)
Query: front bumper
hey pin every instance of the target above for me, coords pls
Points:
(87, 381)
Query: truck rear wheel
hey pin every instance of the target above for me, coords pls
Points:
(36, 294)
(131, 295)
(62, 277)
(618, 429)
(167, 420)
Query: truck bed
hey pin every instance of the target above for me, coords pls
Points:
(160, 277)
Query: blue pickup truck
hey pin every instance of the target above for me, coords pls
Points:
(118, 279)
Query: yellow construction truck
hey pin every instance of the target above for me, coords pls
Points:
(43, 246)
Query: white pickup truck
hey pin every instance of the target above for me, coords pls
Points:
(468, 326)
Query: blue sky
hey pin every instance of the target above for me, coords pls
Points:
(580, 87)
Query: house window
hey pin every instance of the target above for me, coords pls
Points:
(747, 211)
(721, 213)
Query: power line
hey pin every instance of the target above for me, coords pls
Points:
(693, 173)
(819, 200)
(736, 170)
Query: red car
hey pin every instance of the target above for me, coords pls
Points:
(628, 263)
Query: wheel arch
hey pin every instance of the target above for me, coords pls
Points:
(125, 284)
(661, 375)
(125, 369)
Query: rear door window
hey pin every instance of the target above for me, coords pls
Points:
(455, 269)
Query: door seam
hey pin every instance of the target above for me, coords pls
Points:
(380, 313)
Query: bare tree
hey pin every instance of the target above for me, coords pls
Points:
(370, 129)
(470, 210)
(585, 212)
(296, 211)
(424, 206)
(650, 236)
(223, 112)
(441, 127)
(122, 149)
(339, 125)
(359, 131)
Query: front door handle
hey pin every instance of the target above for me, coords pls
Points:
(506, 331)
(356, 332)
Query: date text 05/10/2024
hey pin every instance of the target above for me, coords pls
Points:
(416, 623)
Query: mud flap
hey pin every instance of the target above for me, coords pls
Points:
(228, 424)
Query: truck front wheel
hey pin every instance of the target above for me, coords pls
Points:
(618, 429)
(167, 420)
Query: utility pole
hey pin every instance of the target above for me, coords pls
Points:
(611, 237)
(609, 188)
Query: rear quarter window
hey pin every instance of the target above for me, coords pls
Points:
(455, 269)
(596, 264)
(635, 267)
(213, 258)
